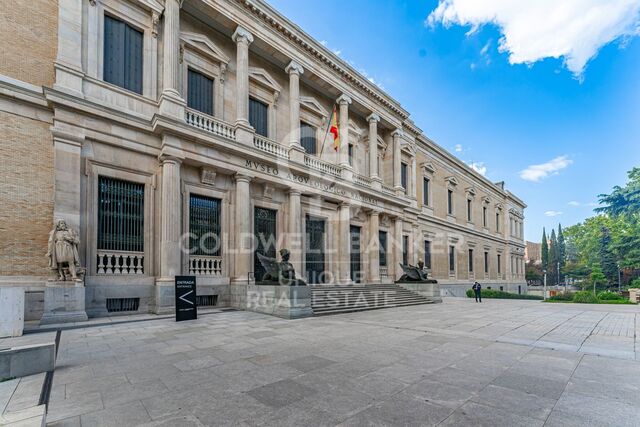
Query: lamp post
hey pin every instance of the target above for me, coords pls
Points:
(619, 280)
(544, 291)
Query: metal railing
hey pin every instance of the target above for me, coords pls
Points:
(210, 124)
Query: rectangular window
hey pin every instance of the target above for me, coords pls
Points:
(497, 222)
(469, 208)
(486, 262)
(204, 225)
(120, 215)
(350, 154)
(470, 260)
(499, 264)
(122, 55)
(425, 191)
(308, 138)
(403, 176)
(484, 216)
(427, 254)
(200, 92)
(405, 250)
(258, 117)
(452, 259)
(450, 202)
(382, 237)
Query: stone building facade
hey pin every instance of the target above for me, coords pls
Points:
(184, 136)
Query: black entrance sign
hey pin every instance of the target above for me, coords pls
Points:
(186, 298)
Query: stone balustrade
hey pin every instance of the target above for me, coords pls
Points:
(387, 189)
(201, 265)
(361, 180)
(210, 124)
(269, 146)
(118, 262)
(319, 165)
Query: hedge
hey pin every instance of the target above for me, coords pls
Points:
(587, 297)
(491, 293)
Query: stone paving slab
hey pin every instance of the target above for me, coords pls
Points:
(457, 363)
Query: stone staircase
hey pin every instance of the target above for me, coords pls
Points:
(332, 299)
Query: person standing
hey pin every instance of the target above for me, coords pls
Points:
(477, 290)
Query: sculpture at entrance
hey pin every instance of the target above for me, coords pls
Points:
(281, 273)
(63, 252)
(414, 273)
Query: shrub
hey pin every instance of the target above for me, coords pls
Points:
(609, 296)
(561, 297)
(585, 297)
(491, 293)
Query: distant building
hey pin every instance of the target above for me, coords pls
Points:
(533, 252)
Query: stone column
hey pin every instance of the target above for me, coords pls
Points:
(397, 248)
(414, 245)
(67, 157)
(344, 259)
(68, 66)
(414, 176)
(294, 231)
(374, 246)
(295, 70)
(397, 184)
(243, 39)
(242, 230)
(171, 103)
(373, 120)
(343, 123)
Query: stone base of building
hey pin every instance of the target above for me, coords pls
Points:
(11, 312)
(64, 302)
(428, 290)
(288, 302)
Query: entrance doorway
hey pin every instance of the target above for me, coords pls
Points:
(354, 235)
(264, 230)
(314, 249)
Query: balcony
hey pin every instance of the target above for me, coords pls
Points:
(271, 147)
(322, 166)
(200, 265)
(361, 180)
(210, 124)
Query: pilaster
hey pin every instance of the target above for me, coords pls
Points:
(68, 66)
(374, 246)
(373, 120)
(243, 38)
(343, 123)
(397, 184)
(242, 231)
(67, 155)
(171, 103)
(344, 260)
(294, 231)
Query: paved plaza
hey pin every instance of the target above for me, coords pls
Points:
(502, 362)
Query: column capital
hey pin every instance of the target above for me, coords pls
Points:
(238, 177)
(373, 118)
(242, 34)
(397, 133)
(294, 192)
(344, 99)
(373, 212)
(168, 158)
(294, 68)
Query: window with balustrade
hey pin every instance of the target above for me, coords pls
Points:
(120, 226)
(259, 116)
(308, 138)
(200, 92)
(204, 235)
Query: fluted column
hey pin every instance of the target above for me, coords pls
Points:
(171, 103)
(170, 213)
(243, 39)
(295, 70)
(374, 246)
(242, 231)
(397, 184)
(373, 120)
(294, 231)
(343, 123)
(344, 259)
(397, 248)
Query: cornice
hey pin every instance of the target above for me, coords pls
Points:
(279, 23)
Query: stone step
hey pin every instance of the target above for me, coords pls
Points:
(341, 310)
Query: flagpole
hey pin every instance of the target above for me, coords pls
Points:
(326, 132)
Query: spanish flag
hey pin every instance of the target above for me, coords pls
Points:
(333, 129)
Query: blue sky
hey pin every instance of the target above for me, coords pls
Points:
(577, 117)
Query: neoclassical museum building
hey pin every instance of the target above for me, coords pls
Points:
(184, 137)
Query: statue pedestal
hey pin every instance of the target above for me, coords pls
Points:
(64, 302)
(429, 288)
(288, 302)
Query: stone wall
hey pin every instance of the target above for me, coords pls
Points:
(26, 191)
(30, 28)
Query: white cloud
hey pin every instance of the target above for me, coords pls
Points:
(536, 29)
(535, 173)
(552, 213)
(478, 167)
(458, 148)
(573, 203)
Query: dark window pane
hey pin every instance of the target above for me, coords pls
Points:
(382, 237)
(200, 92)
(204, 225)
(425, 191)
(350, 154)
(427, 254)
(469, 210)
(499, 266)
(123, 46)
(403, 175)
(486, 262)
(258, 112)
(308, 138)
(471, 260)
(452, 259)
(120, 215)
(405, 250)
(450, 202)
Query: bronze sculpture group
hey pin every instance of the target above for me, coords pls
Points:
(412, 273)
(279, 273)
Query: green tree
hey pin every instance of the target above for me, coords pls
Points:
(623, 201)
(544, 250)
(562, 252)
(597, 278)
(608, 263)
(552, 271)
